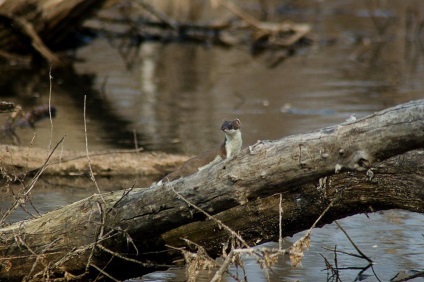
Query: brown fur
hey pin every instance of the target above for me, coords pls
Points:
(191, 166)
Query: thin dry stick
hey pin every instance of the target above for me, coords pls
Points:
(40, 257)
(126, 193)
(161, 16)
(32, 183)
(61, 150)
(50, 107)
(104, 273)
(32, 205)
(135, 140)
(410, 277)
(239, 13)
(223, 268)
(343, 252)
(373, 271)
(99, 236)
(353, 244)
(336, 264)
(322, 214)
(329, 267)
(280, 237)
(144, 264)
(30, 146)
(218, 275)
(220, 223)
(103, 223)
(43, 168)
(80, 251)
(86, 150)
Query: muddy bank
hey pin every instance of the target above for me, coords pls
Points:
(63, 166)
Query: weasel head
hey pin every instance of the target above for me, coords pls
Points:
(231, 127)
(233, 140)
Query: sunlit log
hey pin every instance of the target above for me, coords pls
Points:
(362, 165)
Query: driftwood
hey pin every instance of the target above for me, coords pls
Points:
(34, 26)
(282, 39)
(127, 233)
(23, 162)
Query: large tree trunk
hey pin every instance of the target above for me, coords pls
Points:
(95, 234)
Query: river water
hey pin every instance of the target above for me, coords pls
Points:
(172, 97)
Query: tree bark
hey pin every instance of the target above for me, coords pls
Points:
(95, 234)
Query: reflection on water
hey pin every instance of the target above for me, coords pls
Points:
(173, 97)
(43, 200)
(393, 240)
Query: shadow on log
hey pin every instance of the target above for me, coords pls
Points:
(123, 234)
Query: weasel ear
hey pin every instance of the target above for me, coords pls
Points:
(237, 121)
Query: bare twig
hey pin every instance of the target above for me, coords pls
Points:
(104, 273)
(144, 264)
(220, 223)
(343, 252)
(410, 277)
(239, 13)
(50, 107)
(82, 249)
(336, 264)
(40, 257)
(373, 271)
(135, 140)
(298, 248)
(280, 235)
(31, 184)
(99, 235)
(30, 146)
(330, 267)
(361, 254)
(158, 14)
(224, 267)
(353, 244)
(126, 192)
(61, 150)
(228, 229)
(86, 149)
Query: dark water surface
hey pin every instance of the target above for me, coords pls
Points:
(173, 97)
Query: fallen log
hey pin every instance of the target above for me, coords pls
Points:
(125, 233)
(23, 162)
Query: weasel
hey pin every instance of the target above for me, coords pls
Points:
(230, 147)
